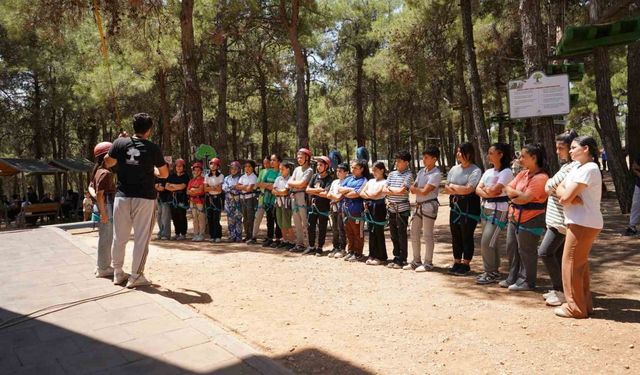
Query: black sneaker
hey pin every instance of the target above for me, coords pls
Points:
(350, 255)
(462, 270)
(251, 241)
(319, 252)
(276, 244)
(267, 242)
(309, 250)
(631, 231)
(297, 249)
(454, 268)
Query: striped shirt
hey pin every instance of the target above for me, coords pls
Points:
(555, 211)
(396, 179)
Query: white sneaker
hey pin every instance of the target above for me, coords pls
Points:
(424, 267)
(138, 280)
(107, 272)
(119, 277)
(549, 294)
(218, 240)
(375, 262)
(556, 299)
(197, 238)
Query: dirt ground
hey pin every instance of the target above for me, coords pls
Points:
(325, 316)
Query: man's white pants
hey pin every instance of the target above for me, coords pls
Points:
(136, 213)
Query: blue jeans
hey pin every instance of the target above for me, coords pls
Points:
(164, 219)
(105, 239)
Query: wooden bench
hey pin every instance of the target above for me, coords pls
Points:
(39, 209)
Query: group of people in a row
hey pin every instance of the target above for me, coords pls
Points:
(563, 210)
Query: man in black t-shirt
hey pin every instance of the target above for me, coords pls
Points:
(320, 205)
(140, 162)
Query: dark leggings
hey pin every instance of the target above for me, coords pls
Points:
(377, 245)
(550, 251)
(272, 225)
(462, 238)
(179, 217)
(215, 205)
(462, 226)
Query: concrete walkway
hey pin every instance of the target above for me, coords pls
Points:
(112, 331)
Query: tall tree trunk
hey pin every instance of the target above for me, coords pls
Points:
(374, 121)
(165, 118)
(221, 88)
(234, 138)
(358, 96)
(193, 96)
(474, 78)
(465, 105)
(534, 49)
(633, 102)
(302, 111)
(36, 124)
(221, 135)
(264, 121)
(620, 173)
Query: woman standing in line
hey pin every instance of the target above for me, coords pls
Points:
(580, 194)
(495, 207)
(465, 207)
(526, 218)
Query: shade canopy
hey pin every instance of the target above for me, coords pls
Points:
(73, 164)
(11, 167)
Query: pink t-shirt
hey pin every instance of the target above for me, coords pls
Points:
(194, 183)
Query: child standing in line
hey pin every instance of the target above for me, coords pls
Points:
(320, 205)
(339, 235)
(87, 206)
(105, 192)
(374, 195)
(195, 190)
(283, 206)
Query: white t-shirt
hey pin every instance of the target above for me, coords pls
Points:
(213, 180)
(279, 184)
(588, 213)
(372, 186)
(424, 178)
(247, 180)
(493, 177)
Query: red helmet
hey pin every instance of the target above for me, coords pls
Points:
(101, 148)
(216, 161)
(324, 159)
(180, 162)
(305, 151)
(196, 165)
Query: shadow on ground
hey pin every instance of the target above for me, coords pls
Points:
(37, 347)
